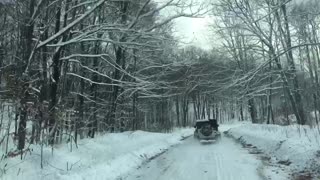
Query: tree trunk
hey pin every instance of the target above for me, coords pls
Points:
(241, 112)
(120, 61)
(297, 96)
(252, 110)
(178, 111)
(269, 113)
(26, 45)
(185, 110)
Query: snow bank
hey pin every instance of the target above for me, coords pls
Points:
(298, 144)
(105, 157)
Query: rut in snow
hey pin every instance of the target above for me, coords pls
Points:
(222, 160)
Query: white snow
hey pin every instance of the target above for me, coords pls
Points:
(192, 160)
(298, 144)
(222, 160)
(105, 157)
(118, 155)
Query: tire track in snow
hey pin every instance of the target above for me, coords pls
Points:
(218, 163)
(223, 160)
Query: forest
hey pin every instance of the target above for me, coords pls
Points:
(70, 69)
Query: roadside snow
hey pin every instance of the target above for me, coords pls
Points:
(297, 144)
(105, 157)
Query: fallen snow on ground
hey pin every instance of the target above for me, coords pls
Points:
(105, 157)
(222, 160)
(298, 144)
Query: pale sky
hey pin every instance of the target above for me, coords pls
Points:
(191, 31)
(194, 31)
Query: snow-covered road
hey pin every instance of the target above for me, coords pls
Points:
(223, 160)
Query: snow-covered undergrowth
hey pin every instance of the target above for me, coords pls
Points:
(106, 157)
(299, 145)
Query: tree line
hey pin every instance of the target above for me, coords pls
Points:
(72, 68)
(275, 44)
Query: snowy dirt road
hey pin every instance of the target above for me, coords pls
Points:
(222, 160)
